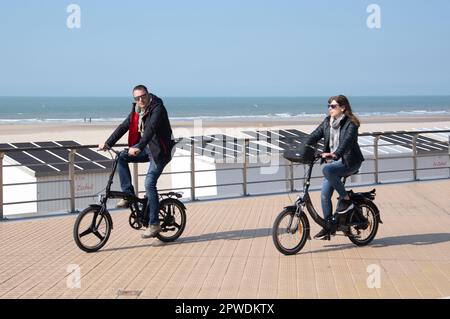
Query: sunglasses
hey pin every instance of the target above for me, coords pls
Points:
(137, 98)
(333, 106)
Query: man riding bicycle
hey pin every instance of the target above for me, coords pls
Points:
(149, 140)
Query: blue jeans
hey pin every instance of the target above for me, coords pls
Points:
(333, 172)
(153, 173)
(124, 170)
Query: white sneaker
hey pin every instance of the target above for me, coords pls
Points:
(123, 203)
(151, 231)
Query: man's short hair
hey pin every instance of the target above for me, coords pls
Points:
(140, 87)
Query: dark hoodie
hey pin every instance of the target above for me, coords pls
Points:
(157, 131)
(348, 148)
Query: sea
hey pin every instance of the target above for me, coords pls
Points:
(22, 110)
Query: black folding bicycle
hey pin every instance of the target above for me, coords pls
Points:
(94, 224)
(291, 228)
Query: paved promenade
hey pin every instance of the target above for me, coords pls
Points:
(226, 251)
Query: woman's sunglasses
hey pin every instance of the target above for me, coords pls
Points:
(333, 106)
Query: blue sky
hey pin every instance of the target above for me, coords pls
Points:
(225, 48)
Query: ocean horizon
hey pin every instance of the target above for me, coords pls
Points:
(112, 109)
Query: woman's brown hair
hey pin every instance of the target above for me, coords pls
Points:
(343, 102)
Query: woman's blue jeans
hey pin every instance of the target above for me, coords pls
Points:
(333, 172)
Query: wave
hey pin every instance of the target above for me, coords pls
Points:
(279, 116)
(306, 115)
(413, 112)
(58, 120)
(245, 117)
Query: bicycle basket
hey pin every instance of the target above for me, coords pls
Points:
(304, 154)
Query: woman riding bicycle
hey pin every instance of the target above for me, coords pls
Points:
(341, 152)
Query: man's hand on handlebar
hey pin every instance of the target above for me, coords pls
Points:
(103, 147)
(328, 155)
(133, 151)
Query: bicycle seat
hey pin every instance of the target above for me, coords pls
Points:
(171, 194)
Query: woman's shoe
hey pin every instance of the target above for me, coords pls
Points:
(344, 205)
(322, 235)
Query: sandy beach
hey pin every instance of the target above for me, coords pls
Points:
(94, 133)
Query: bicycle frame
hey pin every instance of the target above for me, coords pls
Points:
(137, 219)
(134, 200)
(296, 228)
(114, 194)
(306, 201)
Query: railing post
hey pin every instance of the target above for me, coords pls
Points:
(291, 176)
(193, 169)
(414, 146)
(2, 155)
(72, 179)
(375, 154)
(244, 169)
(136, 178)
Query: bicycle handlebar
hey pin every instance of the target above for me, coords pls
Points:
(112, 150)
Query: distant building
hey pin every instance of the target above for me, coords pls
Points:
(219, 173)
(47, 171)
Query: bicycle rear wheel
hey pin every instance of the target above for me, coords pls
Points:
(366, 221)
(92, 229)
(172, 217)
(290, 232)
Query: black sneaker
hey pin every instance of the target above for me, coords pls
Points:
(344, 205)
(321, 235)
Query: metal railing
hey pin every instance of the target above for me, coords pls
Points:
(193, 186)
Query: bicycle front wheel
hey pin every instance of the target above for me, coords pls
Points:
(290, 232)
(92, 229)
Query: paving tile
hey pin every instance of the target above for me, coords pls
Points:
(227, 252)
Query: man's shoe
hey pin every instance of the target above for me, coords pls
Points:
(123, 203)
(322, 235)
(151, 231)
(344, 205)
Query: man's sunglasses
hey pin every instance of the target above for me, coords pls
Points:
(137, 98)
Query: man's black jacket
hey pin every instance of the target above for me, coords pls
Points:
(348, 148)
(157, 131)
